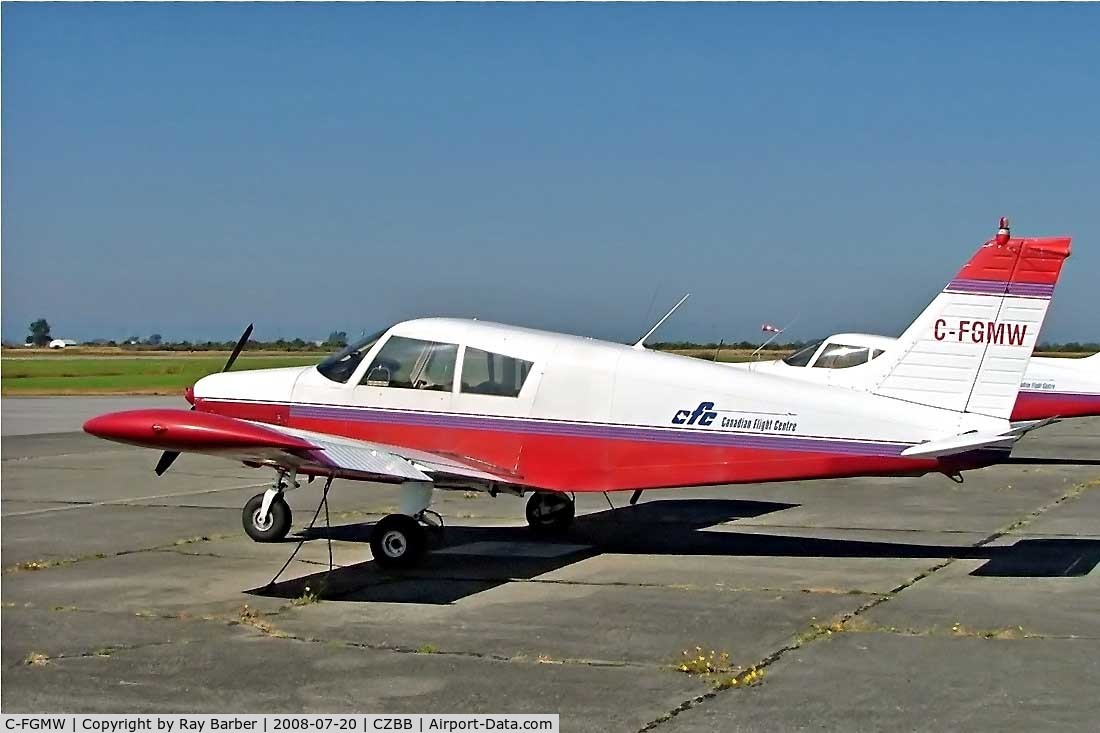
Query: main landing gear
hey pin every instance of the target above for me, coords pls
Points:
(267, 516)
(401, 540)
(398, 540)
(549, 512)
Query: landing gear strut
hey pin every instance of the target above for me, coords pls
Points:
(401, 540)
(267, 517)
(549, 512)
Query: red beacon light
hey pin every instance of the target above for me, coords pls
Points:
(1003, 232)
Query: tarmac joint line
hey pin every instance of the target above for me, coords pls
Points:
(817, 631)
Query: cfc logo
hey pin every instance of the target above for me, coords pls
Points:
(704, 414)
(981, 332)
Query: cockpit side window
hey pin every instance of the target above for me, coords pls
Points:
(802, 357)
(413, 364)
(493, 374)
(841, 356)
(340, 366)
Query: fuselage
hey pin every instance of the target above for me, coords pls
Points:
(1051, 387)
(569, 413)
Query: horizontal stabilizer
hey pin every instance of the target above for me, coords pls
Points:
(974, 441)
(959, 444)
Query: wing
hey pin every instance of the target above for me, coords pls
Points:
(262, 444)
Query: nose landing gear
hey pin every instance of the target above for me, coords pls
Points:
(267, 517)
(271, 527)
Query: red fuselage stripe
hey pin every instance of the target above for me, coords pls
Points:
(596, 459)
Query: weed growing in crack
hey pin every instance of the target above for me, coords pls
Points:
(32, 565)
(308, 598)
(1007, 632)
(700, 662)
(715, 667)
(191, 540)
(751, 676)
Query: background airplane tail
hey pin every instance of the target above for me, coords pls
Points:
(968, 350)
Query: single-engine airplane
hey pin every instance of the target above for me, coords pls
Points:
(442, 403)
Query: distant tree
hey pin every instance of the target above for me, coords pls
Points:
(154, 340)
(337, 338)
(40, 333)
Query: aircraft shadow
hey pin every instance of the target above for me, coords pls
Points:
(471, 560)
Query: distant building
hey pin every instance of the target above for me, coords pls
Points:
(62, 343)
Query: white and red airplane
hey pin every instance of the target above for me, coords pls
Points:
(443, 403)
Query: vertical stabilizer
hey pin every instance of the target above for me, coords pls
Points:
(969, 349)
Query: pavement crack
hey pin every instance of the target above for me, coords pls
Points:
(39, 659)
(817, 632)
(47, 563)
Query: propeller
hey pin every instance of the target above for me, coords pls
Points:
(169, 456)
(166, 459)
(238, 348)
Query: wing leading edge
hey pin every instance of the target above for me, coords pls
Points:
(302, 451)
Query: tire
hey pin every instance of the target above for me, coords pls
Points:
(278, 521)
(398, 541)
(550, 512)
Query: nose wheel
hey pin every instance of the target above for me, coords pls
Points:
(271, 527)
(550, 512)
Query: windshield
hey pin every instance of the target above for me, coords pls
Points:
(341, 365)
(802, 357)
(842, 356)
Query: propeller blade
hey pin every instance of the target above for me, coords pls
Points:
(238, 348)
(166, 459)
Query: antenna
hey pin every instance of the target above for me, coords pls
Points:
(639, 344)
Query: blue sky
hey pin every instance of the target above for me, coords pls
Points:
(185, 169)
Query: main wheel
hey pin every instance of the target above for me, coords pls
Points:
(550, 512)
(271, 528)
(398, 541)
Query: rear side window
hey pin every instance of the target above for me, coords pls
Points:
(840, 356)
(493, 374)
(413, 364)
